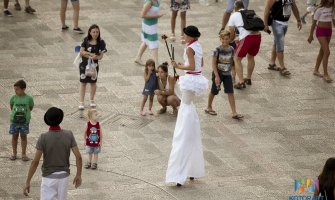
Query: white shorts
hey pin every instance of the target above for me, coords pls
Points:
(54, 189)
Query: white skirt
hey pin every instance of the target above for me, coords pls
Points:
(186, 158)
(195, 83)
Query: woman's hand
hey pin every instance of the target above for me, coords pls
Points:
(310, 39)
(26, 189)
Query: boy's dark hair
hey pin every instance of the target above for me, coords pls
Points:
(21, 84)
(239, 4)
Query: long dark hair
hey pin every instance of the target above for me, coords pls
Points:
(327, 176)
(89, 37)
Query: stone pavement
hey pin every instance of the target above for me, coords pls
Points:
(287, 132)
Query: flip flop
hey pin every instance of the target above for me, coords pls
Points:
(317, 74)
(238, 116)
(273, 67)
(327, 79)
(210, 112)
(12, 157)
(25, 158)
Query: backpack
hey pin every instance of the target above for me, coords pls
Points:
(251, 21)
(20, 113)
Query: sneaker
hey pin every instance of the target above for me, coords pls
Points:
(65, 28)
(78, 30)
(29, 10)
(7, 13)
(303, 20)
(17, 6)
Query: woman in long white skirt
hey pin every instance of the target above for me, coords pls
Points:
(186, 158)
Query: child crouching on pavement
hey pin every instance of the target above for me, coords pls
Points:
(93, 139)
(222, 63)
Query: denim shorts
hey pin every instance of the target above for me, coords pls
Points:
(92, 149)
(19, 128)
(230, 5)
(279, 32)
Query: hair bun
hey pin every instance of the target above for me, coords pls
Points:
(165, 63)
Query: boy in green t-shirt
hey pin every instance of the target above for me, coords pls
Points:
(21, 106)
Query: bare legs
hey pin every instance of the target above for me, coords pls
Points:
(171, 100)
(15, 138)
(231, 100)
(323, 56)
(182, 24)
(76, 9)
(225, 19)
(141, 51)
(82, 92)
(5, 4)
(151, 102)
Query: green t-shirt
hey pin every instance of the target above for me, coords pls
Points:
(21, 107)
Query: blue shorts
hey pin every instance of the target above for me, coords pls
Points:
(92, 149)
(19, 128)
(279, 32)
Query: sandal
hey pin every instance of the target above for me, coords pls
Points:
(12, 157)
(327, 79)
(25, 158)
(237, 116)
(139, 62)
(87, 165)
(143, 113)
(173, 38)
(240, 86)
(284, 72)
(94, 166)
(150, 112)
(210, 112)
(318, 74)
(162, 110)
(273, 67)
(247, 81)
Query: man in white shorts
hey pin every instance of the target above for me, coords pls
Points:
(55, 145)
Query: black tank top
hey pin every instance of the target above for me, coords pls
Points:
(280, 8)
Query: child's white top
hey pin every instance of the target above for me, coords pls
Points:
(324, 14)
(197, 56)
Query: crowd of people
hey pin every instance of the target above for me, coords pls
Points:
(186, 158)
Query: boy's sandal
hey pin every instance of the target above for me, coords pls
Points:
(94, 166)
(284, 72)
(273, 67)
(12, 157)
(247, 81)
(239, 86)
(25, 158)
(210, 112)
(238, 116)
(87, 165)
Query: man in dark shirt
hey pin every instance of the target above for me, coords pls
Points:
(55, 145)
(280, 11)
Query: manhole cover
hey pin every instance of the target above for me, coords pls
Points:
(127, 121)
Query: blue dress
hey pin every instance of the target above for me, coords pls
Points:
(151, 85)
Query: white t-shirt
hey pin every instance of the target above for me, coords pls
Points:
(237, 21)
